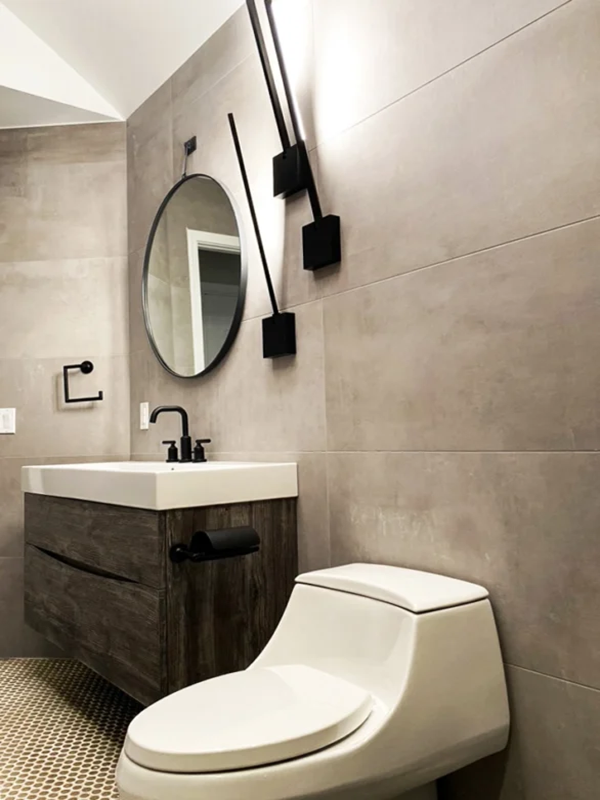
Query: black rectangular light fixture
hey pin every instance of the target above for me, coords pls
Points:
(279, 330)
(292, 170)
(289, 166)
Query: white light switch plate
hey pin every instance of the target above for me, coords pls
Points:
(144, 416)
(8, 420)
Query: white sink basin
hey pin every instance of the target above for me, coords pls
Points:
(161, 486)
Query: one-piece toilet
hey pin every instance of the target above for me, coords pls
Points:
(377, 681)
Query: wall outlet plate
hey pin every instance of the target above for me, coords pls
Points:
(8, 420)
(144, 416)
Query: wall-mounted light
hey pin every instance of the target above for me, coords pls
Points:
(279, 330)
(292, 170)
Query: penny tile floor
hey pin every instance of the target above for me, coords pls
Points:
(61, 731)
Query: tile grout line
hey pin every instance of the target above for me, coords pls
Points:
(435, 264)
(554, 677)
(326, 418)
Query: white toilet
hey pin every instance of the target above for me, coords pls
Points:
(377, 681)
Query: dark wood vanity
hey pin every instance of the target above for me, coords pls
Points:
(100, 583)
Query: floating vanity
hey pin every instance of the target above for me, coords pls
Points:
(159, 575)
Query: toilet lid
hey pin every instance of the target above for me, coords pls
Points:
(246, 719)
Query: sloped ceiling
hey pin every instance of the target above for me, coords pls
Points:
(65, 61)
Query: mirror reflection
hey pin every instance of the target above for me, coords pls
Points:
(194, 277)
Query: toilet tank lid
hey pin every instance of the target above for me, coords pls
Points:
(415, 591)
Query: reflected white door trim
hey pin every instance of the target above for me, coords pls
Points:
(196, 241)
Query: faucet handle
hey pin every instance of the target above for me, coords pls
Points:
(172, 454)
(199, 454)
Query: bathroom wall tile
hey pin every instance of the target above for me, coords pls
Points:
(370, 55)
(247, 403)
(137, 330)
(148, 119)
(13, 158)
(46, 427)
(498, 149)
(149, 176)
(227, 48)
(11, 520)
(87, 295)
(495, 351)
(77, 144)
(524, 525)
(553, 753)
(313, 517)
(272, 405)
(17, 640)
(151, 383)
(68, 207)
(73, 212)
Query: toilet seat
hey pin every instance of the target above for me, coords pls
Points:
(246, 719)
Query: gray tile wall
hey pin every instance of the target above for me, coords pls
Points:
(443, 406)
(63, 298)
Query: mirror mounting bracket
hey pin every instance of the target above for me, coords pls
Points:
(189, 147)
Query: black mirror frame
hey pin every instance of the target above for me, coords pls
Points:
(239, 309)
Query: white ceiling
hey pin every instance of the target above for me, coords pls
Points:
(100, 59)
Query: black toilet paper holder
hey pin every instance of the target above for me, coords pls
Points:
(215, 545)
(86, 367)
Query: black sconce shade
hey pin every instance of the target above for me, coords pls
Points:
(279, 335)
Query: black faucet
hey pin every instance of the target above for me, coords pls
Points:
(186, 439)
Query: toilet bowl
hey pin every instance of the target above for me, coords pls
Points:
(377, 681)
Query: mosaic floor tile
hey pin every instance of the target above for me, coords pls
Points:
(61, 731)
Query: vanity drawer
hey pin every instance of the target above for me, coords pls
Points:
(124, 542)
(113, 625)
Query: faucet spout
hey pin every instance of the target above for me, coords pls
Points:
(185, 420)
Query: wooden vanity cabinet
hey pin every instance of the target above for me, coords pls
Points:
(100, 584)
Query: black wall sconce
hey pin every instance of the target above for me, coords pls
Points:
(279, 330)
(292, 170)
(86, 367)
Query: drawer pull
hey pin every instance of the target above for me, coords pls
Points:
(215, 545)
(74, 564)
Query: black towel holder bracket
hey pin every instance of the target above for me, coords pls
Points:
(215, 545)
(86, 367)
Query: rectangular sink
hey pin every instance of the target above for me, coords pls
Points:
(161, 486)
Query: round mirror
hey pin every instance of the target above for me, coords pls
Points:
(194, 282)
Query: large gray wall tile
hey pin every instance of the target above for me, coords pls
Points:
(246, 404)
(73, 202)
(43, 302)
(227, 48)
(553, 753)
(369, 55)
(149, 175)
(13, 175)
(490, 352)
(524, 525)
(47, 427)
(273, 405)
(11, 518)
(498, 149)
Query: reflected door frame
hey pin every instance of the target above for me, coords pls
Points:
(215, 243)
